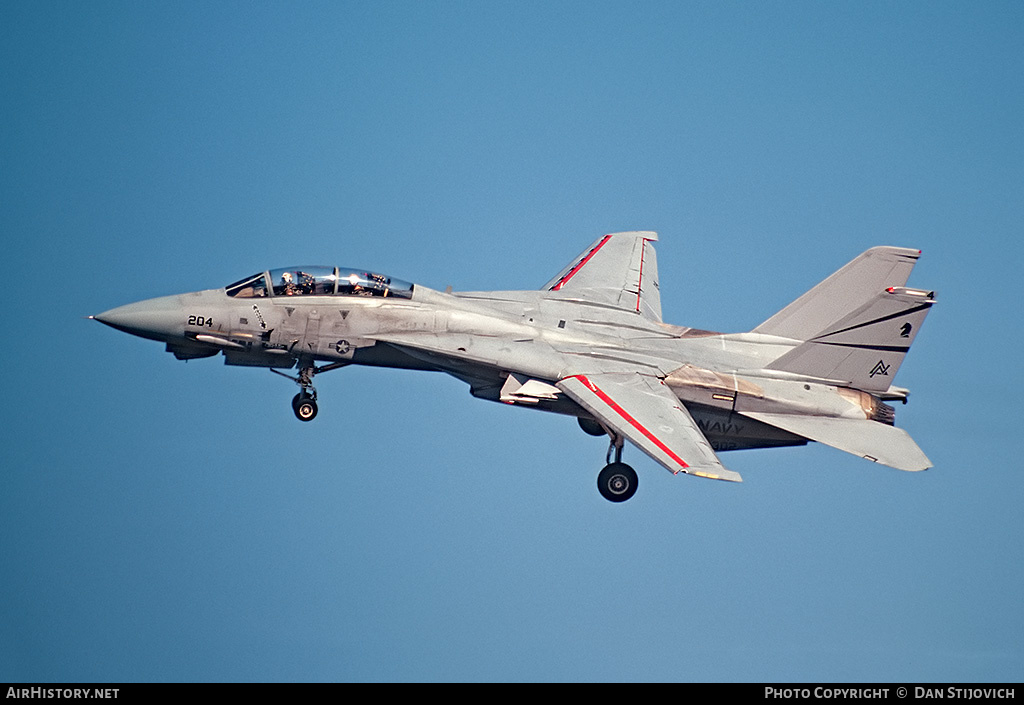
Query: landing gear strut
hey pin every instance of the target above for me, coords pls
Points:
(304, 403)
(617, 482)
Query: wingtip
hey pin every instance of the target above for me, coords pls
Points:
(645, 234)
(727, 475)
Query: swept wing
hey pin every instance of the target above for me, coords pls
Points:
(642, 409)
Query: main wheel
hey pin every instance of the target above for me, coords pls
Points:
(305, 408)
(617, 482)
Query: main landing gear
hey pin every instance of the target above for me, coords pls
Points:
(304, 403)
(617, 482)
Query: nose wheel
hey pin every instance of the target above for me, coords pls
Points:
(304, 406)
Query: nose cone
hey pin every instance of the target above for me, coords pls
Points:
(156, 319)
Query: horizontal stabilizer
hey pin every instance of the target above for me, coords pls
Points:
(872, 440)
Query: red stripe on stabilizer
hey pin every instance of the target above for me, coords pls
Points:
(624, 414)
(572, 272)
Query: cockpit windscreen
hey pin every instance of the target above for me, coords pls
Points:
(252, 287)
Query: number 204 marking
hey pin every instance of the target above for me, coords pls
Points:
(200, 321)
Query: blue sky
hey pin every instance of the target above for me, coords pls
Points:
(162, 520)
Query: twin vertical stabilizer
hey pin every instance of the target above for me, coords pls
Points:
(856, 327)
(858, 324)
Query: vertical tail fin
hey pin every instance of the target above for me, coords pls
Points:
(849, 288)
(858, 324)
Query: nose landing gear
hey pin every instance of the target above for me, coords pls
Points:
(304, 403)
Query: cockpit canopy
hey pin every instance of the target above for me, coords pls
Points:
(318, 281)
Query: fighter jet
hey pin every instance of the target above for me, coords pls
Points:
(590, 343)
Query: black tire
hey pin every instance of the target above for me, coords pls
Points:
(617, 482)
(304, 407)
